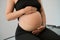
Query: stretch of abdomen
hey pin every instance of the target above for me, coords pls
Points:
(31, 21)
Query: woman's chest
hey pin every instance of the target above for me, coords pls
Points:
(23, 3)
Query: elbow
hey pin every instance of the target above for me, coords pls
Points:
(7, 17)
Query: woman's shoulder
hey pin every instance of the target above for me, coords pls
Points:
(39, 0)
(15, 1)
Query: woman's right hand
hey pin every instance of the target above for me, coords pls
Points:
(30, 9)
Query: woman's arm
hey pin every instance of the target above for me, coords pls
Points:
(42, 27)
(42, 14)
(43, 17)
(10, 14)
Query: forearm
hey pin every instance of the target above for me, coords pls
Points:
(42, 14)
(14, 15)
(43, 25)
(43, 18)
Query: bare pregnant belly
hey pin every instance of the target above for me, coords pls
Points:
(31, 21)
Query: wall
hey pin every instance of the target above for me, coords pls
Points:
(7, 28)
(52, 8)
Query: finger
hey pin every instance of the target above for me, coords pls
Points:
(35, 31)
(34, 8)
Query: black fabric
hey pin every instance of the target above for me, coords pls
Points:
(46, 34)
(24, 35)
(23, 3)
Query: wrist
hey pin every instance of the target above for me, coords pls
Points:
(43, 24)
(23, 11)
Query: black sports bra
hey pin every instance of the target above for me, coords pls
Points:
(23, 3)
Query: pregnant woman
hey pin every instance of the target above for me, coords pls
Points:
(31, 19)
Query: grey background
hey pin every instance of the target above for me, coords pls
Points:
(7, 28)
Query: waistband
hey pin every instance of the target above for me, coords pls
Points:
(23, 29)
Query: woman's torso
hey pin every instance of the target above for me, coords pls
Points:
(31, 21)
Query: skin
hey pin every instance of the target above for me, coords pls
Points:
(12, 15)
(42, 27)
(31, 21)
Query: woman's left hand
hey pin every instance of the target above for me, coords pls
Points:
(38, 30)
